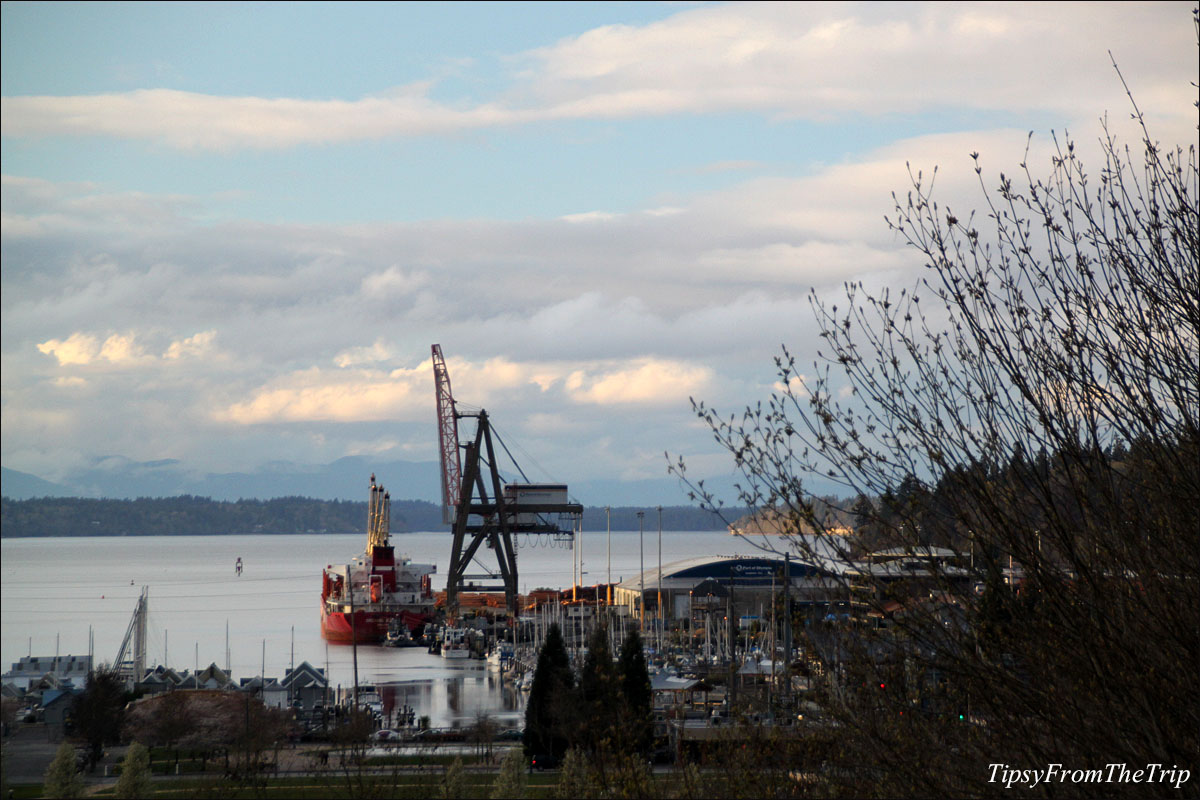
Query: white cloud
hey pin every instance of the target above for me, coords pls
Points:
(78, 348)
(648, 381)
(393, 282)
(314, 395)
(358, 356)
(197, 346)
(122, 349)
(792, 59)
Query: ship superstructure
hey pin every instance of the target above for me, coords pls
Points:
(362, 599)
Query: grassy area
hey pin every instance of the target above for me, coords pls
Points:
(401, 784)
(25, 791)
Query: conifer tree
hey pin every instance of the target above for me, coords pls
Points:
(637, 696)
(549, 710)
(599, 693)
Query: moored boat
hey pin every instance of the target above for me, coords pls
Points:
(455, 644)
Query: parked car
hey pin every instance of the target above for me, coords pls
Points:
(543, 761)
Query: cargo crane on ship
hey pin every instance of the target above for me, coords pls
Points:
(482, 507)
(378, 592)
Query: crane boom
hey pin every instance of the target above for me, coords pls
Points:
(448, 437)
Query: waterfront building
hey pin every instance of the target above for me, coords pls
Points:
(31, 669)
(750, 580)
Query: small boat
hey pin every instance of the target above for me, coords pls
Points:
(399, 635)
(501, 656)
(454, 644)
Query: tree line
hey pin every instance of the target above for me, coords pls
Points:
(187, 515)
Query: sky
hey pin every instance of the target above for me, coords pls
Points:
(231, 232)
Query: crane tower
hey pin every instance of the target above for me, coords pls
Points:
(484, 508)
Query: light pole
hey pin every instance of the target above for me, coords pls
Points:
(608, 526)
(659, 608)
(642, 573)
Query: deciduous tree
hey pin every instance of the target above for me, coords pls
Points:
(62, 778)
(1033, 404)
(135, 773)
(98, 713)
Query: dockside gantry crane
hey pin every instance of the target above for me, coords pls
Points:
(484, 508)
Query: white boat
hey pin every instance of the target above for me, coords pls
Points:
(455, 645)
(500, 657)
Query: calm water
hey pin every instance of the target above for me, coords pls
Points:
(54, 590)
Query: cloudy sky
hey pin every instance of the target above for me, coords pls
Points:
(232, 231)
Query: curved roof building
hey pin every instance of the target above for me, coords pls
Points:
(747, 578)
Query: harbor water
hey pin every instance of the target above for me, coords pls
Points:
(64, 595)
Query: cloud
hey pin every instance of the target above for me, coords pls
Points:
(78, 348)
(197, 346)
(358, 356)
(314, 395)
(121, 349)
(799, 60)
(393, 282)
(646, 382)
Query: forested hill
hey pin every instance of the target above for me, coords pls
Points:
(186, 515)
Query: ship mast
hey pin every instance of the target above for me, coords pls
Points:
(379, 513)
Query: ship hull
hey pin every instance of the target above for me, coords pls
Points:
(367, 627)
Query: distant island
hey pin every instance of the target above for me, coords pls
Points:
(187, 515)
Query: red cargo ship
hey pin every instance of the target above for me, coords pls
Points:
(360, 600)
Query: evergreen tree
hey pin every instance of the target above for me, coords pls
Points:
(135, 773)
(511, 781)
(599, 693)
(548, 712)
(637, 696)
(62, 779)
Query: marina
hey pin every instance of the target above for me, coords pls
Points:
(264, 621)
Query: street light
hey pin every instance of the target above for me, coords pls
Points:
(642, 575)
(659, 608)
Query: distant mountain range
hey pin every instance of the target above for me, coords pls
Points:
(117, 477)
